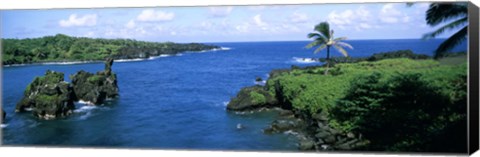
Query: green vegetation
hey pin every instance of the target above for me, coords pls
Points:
(456, 14)
(64, 48)
(385, 55)
(258, 98)
(325, 39)
(397, 104)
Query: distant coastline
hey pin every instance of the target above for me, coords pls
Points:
(63, 49)
(68, 62)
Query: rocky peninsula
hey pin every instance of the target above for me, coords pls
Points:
(380, 103)
(50, 97)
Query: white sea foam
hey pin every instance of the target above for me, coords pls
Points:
(85, 116)
(28, 109)
(52, 63)
(304, 60)
(290, 132)
(225, 103)
(85, 102)
(263, 82)
(85, 108)
(67, 63)
(3, 125)
(130, 60)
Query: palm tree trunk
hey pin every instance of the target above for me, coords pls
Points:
(327, 60)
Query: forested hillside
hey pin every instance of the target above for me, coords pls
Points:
(65, 48)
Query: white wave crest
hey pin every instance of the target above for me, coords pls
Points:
(225, 103)
(130, 60)
(3, 125)
(85, 108)
(305, 60)
(67, 63)
(262, 83)
(85, 102)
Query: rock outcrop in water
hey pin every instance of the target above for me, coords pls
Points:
(95, 88)
(50, 97)
(248, 98)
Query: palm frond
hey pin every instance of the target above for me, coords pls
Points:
(321, 47)
(324, 29)
(312, 35)
(441, 12)
(452, 25)
(312, 44)
(344, 44)
(451, 42)
(341, 50)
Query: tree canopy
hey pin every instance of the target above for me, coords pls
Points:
(65, 48)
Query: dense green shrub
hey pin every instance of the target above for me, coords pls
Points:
(406, 112)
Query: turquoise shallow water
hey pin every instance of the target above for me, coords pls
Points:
(175, 102)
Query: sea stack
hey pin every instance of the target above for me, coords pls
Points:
(95, 88)
(48, 97)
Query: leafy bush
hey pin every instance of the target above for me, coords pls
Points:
(258, 98)
(406, 112)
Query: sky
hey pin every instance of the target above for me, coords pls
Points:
(223, 23)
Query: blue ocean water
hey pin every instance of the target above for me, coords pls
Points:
(175, 102)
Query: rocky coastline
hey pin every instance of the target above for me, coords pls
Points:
(313, 131)
(50, 97)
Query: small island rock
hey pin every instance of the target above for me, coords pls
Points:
(95, 88)
(48, 96)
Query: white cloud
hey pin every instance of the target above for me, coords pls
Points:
(359, 19)
(297, 17)
(258, 21)
(130, 24)
(244, 27)
(342, 18)
(74, 20)
(150, 15)
(390, 14)
(220, 11)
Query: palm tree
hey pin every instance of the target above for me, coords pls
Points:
(442, 12)
(323, 38)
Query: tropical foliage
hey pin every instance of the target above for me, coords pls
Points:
(64, 48)
(323, 38)
(456, 14)
(397, 104)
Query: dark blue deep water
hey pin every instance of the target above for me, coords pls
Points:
(175, 102)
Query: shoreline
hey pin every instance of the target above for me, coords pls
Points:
(116, 60)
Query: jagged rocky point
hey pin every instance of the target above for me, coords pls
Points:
(50, 97)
